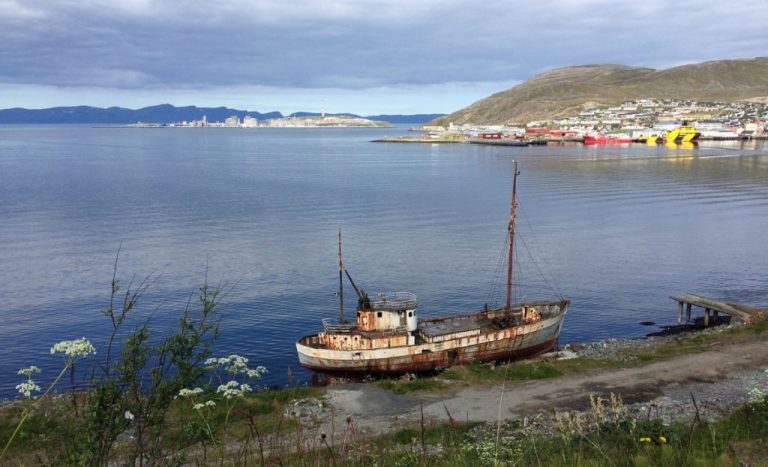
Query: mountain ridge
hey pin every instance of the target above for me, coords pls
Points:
(568, 90)
(162, 114)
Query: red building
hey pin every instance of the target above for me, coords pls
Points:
(536, 131)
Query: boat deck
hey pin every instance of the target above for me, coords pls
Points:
(478, 321)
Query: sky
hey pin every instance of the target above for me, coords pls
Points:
(360, 56)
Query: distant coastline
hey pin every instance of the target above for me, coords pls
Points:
(166, 114)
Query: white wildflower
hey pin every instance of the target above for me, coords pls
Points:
(29, 371)
(73, 349)
(228, 385)
(27, 387)
(190, 392)
(233, 389)
(256, 372)
(202, 405)
(128, 415)
(236, 364)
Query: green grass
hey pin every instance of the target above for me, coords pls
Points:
(738, 439)
(483, 373)
(403, 387)
(696, 342)
(44, 432)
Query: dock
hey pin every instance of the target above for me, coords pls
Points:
(712, 308)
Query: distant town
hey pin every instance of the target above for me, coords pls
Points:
(285, 122)
(632, 119)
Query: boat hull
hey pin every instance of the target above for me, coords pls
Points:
(603, 140)
(504, 344)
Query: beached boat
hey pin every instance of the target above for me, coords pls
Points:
(604, 139)
(387, 337)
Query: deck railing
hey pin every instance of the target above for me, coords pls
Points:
(337, 327)
(394, 301)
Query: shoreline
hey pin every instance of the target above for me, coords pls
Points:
(711, 382)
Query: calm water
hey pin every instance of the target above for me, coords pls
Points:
(617, 230)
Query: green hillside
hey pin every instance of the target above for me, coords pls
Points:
(566, 91)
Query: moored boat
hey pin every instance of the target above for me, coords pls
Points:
(605, 139)
(387, 337)
(685, 133)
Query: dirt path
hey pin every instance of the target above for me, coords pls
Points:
(720, 376)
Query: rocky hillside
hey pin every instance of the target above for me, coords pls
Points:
(566, 91)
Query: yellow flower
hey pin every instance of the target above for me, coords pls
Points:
(645, 439)
(662, 440)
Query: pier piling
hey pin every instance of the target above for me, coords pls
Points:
(712, 308)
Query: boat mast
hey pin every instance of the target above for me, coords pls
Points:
(341, 284)
(511, 238)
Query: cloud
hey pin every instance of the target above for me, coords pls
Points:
(162, 44)
(13, 10)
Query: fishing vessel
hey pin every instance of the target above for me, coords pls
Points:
(387, 337)
(605, 139)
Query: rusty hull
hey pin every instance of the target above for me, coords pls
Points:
(455, 348)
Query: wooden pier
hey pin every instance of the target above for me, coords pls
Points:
(712, 308)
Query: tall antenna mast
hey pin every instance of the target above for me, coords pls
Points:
(341, 284)
(511, 238)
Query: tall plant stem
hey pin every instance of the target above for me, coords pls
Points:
(29, 410)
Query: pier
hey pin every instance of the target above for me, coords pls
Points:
(712, 308)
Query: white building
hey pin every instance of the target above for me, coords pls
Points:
(250, 122)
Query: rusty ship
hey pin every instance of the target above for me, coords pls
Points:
(387, 337)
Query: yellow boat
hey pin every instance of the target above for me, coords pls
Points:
(648, 139)
(682, 134)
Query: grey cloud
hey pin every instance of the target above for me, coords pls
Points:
(356, 45)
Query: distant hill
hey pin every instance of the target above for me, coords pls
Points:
(164, 113)
(414, 119)
(566, 91)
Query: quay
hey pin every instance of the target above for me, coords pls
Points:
(411, 139)
(712, 308)
(454, 140)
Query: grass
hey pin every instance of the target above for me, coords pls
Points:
(486, 373)
(604, 438)
(41, 437)
(416, 385)
(698, 342)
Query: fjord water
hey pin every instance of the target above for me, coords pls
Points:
(615, 229)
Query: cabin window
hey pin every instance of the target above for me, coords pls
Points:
(378, 315)
(410, 314)
(358, 314)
